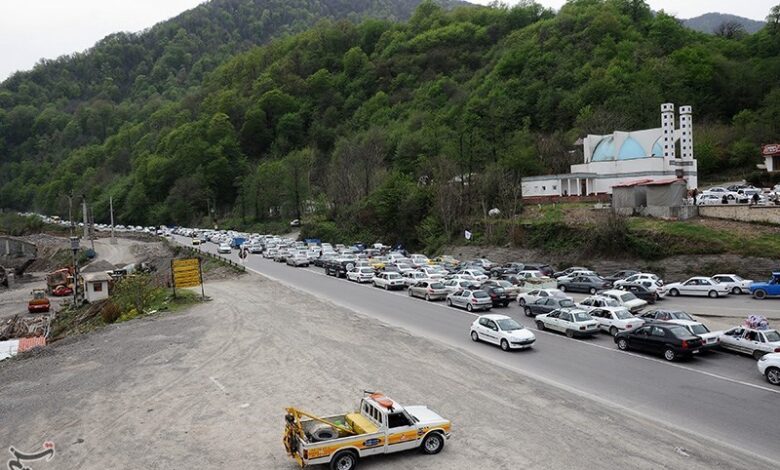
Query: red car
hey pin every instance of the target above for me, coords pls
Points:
(62, 291)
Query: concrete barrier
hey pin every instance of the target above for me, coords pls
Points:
(742, 213)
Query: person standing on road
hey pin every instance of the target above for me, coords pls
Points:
(755, 199)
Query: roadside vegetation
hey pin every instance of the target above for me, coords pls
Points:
(401, 132)
(133, 297)
(17, 225)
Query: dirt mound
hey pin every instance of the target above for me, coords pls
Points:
(98, 266)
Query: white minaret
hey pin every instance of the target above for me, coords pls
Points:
(686, 132)
(667, 128)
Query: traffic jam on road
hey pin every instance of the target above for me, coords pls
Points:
(627, 305)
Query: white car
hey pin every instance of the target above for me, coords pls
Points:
(708, 200)
(502, 331)
(461, 277)
(573, 322)
(454, 286)
(735, 283)
(637, 278)
(769, 367)
(223, 248)
(433, 272)
(476, 275)
(420, 260)
(530, 274)
(388, 280)
(615, 319)
(711, 338)
(361, 275)
(573, 274)
(597, 301)
(702, 286)
(751, 341)
(626, 299)
(413, 277)
(536, 294)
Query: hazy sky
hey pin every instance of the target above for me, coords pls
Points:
(32, 29)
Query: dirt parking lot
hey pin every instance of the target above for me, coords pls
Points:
(207, 387)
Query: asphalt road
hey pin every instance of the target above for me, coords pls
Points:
(718, 396)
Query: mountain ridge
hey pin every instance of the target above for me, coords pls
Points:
(708, 22)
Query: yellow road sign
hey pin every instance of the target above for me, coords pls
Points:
(186, 272)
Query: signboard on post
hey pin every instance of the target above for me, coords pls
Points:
(186, 273)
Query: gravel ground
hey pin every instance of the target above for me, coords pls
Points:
(207, 387)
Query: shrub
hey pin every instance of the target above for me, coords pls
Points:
(110, 312)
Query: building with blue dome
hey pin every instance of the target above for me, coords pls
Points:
(621, 157)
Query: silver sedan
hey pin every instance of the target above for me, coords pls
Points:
(470, 300)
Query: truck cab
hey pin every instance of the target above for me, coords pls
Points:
(379, 426)
(771, 288)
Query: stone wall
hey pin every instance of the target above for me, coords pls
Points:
(743, 213)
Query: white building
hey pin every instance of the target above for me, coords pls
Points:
(771, 154)
(96, 286)
(623, 156)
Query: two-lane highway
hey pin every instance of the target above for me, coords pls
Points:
(718, 396)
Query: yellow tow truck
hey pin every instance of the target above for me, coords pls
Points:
(380, 426)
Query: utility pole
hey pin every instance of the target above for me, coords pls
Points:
(111, 208)
(70, 213)
(84, 211)
(74, 246)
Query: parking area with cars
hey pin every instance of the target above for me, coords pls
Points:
(593, 364)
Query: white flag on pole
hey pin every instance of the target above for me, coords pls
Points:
(467, 234)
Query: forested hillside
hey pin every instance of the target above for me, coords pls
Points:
(399, 131)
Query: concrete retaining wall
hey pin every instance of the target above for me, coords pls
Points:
(767, 214)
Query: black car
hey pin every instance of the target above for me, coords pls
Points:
(589, 284)
(337, 267)
(508, 268)
(497, 294)
(620, 275)
(546, 305)
(641, 292)
(672, 341)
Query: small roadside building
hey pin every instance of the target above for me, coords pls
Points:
(771, 154)
(96, 286)
(629, 195)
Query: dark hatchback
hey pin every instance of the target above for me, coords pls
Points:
(671, 341)
(546, 305)
(497, 294)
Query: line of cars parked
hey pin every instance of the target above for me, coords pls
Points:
(616, 304)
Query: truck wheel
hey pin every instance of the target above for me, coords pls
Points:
(344, 460)
(760, 294)
(433, 443)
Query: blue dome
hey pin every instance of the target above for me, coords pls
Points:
(605, 150)
(631, 150)
(658, 150)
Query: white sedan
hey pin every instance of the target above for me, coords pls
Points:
(735, 283)
(637, 278)
(615, 319)
(224, 248)
(573, 322)
(502, 331)
(703, 286)
(388, 280)
(626, 299)
(361, 275)
(536, 294)
(769, 366)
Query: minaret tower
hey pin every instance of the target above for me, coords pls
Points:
(667, 127)
(686, 130)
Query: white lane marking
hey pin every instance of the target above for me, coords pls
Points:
(219, 385)
(666, 363)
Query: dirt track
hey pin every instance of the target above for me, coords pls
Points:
(208, 387)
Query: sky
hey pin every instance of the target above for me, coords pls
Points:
(35, 29)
